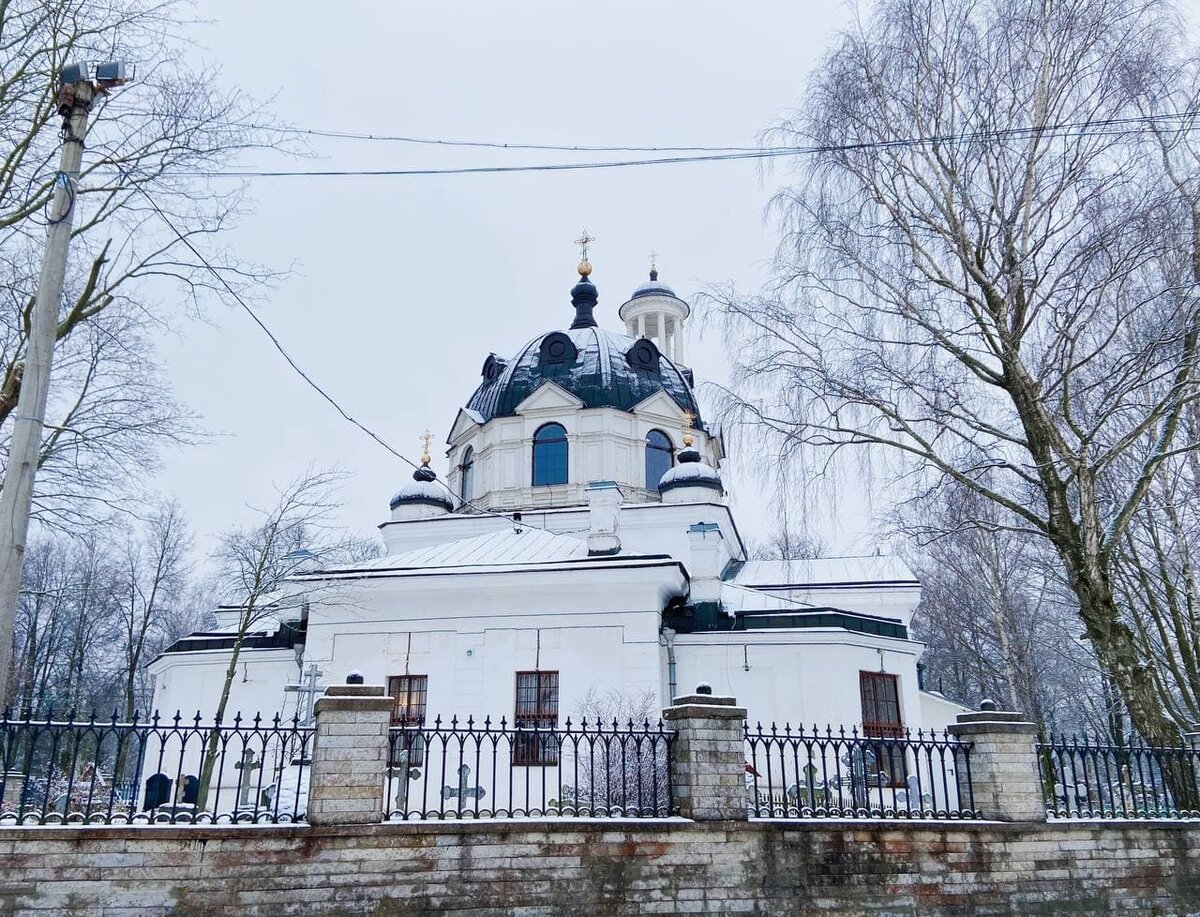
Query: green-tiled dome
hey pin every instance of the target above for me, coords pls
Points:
(603, 369)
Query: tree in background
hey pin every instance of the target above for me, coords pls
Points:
(992, 275)
(109, 409)
(154, 575)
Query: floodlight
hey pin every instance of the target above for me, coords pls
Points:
(112, 71)
(74, 73)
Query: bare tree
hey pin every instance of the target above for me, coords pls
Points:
(255, 564)
(997, 619)
(145, 143)
(992, 274)
(154, 570)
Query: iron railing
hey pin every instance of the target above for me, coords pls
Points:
(486, 770)
(801, 773)
(96, 771)
(1083, 777)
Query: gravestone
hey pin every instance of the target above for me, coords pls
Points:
(248, 765)
(191, 790)
(464, 790)
(158, 791)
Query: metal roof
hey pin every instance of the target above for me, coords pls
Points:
(881, 569)
(600, 376)
(506, 546)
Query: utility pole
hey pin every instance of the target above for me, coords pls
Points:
(75, 94)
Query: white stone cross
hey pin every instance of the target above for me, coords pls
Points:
(247, 766)
(464, 790)
(309, 688)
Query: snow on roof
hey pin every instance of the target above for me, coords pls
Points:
(827, 571)
(506, 546)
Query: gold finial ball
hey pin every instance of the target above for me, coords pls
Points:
(426, 458)
(688, 439)
(585, 267)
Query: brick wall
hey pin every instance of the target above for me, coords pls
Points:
(596, 868)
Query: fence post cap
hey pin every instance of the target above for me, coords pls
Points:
(358, 690)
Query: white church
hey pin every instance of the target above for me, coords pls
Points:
(580, 558)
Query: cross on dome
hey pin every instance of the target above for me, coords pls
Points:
(426, 438)
(585, 266)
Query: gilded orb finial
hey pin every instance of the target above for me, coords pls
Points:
(585, 266)
(426, 438)
(688, 419)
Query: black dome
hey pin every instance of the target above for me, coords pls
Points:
(600, 374)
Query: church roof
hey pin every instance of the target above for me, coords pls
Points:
(506, 546)
(600, 375)
(827, 572)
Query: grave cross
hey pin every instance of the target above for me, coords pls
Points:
(247, 766)
(464, 790)
(309, 688)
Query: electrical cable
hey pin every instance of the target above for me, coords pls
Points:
(346, 415)
(1063, 130)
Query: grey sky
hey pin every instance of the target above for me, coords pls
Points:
(403, 285)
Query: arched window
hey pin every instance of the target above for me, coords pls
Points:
(659, 457)
(466, 488)
(550, 455)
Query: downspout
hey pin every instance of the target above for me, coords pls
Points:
(668, 640)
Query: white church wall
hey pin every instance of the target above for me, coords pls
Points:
(192, 682)
(603, 444)
(799, 677)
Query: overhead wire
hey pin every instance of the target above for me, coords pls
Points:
(299, 370)
(1062, 130)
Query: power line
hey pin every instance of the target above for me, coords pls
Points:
(501, 145)
(346, 415)
(1064, 130)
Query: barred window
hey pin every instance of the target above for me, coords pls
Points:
(536, 711)
(881, 720)
(408, 714)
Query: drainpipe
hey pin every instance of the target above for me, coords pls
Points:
(668, 639)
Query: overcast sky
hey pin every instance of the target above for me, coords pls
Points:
(403, 285)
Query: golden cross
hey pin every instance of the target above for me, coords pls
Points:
(653, 260)
(426, 438)
(689, 418)
(583, 242)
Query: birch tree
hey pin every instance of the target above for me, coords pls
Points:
(990, 273)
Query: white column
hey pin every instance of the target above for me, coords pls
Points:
(678, 343)
(662, 332)
(641, 326)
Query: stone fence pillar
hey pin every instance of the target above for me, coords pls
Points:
(350, 755)
(708, 760)
(1005, 777)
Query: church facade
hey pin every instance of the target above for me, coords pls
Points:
(579, 560)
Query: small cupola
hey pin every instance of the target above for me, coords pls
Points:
(584, 295)
(424, 497)
(654, 312)
(691, 480)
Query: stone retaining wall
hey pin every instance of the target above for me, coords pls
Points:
(597, 868)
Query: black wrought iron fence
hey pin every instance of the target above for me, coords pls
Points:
(1083, 777)
(95, 771)
(801, 773)
(482, 769)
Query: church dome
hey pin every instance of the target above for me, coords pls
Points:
(690, 471)
(423, 490)
(603, 369)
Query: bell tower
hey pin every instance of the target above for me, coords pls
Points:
(655, 312)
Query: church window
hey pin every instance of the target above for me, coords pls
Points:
(408, 717)
(659, 457)
(550, 455)
(881, 720)
(536, 719)
(557, 348)
(467, 470)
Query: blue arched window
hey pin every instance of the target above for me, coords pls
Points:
(467, 468)
(659, 457)
(550, 455)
